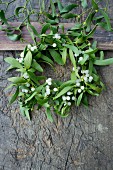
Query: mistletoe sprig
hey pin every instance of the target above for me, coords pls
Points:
(57, 46)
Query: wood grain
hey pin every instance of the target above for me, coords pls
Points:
(104, 38)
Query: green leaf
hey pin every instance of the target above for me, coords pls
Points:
(37, 66)
(73, 76)
(64, 55)
(68, 8)
(56, 56)
(28, 99)
(53, 8)
(38, 89)
(84, 3)
(69, 15)
(48, 114)
(33, 77)
(104, 25)
(28, 60)
(79, 99)
(92, 93)
(89, 20)
(14, 96)
(49, 16)
(101, 55)
(67, 83)
(41, 101)
(45, 28)
(63, 111)
(41, 77)
(63, 91)
(17, 10)
(17, 80)
(77, 26)
(10, 86)
(9, 68)
(52, 22)
(45, 58)
(94, 4)
(94, 44)
(31, 32)
(72, 58)
(14, 63)
(85, 58)
(33, 29)
(3, 18)
(85, 100)
(95, 88)
(54, 29)
(104, 62)
(60, 6)
(96, 78)
(90, 66)
(27, 113)
(91, 51)
(91, 33)
(107, 19)
(14, 36)
(22, 109)
(73, 48)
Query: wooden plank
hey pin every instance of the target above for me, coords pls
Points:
(104, 38)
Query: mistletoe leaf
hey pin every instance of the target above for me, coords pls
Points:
(64, 55)
(101, 55)
(95, 88)
(85, 58)
(60, 6)
(56, 56)
(63, 91)
(14, 37)
(68, 8)
(85, 100)
(79, 99)
(69, 15)
(31, 97)
(91, 33)
(73, 48)
(53, 8)
(17, 10)
(107, 19)
(17, 80)
(104, 62)
(67, 83)
(28, 60)
(33, 77)
(45, 58)
(37, 66)
(45, 28)
(13, 62)
(48, 114)
(14, 96)
(94, 4)
(84, 3)
(26, 112)
(33, 29)
(3, 18)
(72, 57)
(89, 20)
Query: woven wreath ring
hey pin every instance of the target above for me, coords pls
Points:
(33, 88)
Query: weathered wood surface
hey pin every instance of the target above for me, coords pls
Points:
(104, 38)
(83, 141)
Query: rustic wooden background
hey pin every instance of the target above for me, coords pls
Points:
(83, 141)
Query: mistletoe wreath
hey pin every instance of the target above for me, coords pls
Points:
(56, 45)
